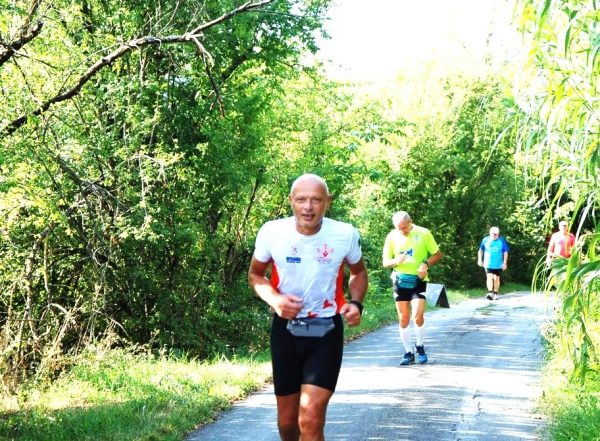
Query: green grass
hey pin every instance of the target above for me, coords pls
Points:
(571, 408)
(120, 395)
(113, 395)
(573, 412)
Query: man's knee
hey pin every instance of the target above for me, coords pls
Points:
(313, 408)
(311, 428)
(312, 422)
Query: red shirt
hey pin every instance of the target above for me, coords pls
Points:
(561, 244)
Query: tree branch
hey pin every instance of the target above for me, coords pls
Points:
(7, 50)
(25, 35)
(125, 48)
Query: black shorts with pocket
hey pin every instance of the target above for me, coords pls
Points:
(305, 360)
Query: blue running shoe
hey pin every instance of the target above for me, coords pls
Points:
(421, 355)
(408, 358)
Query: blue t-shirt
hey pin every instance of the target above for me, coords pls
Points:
(493, 252)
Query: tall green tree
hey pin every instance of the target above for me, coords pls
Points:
(556, 112)
(131, 145)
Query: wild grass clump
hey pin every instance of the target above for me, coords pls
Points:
(124, 394)
(570, 401)
(572, 414)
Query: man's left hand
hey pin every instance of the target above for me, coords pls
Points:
(351, 314)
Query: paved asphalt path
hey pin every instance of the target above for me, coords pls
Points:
(480, 383)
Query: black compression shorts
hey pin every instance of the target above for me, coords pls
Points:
(408, 294)
(305, 360)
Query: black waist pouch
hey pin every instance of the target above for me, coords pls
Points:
(311, 326)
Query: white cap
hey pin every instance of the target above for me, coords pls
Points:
(494, 230)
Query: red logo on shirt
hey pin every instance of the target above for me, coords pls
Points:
(324, 252)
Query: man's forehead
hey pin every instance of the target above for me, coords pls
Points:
(309, 192)
(309, 187)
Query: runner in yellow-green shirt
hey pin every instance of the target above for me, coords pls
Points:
(410, 250)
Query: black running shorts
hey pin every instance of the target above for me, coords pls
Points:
(305, 360)
(408, 294)
(496, 271)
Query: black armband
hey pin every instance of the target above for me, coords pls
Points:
(357, 303)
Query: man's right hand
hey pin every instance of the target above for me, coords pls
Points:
(287, 306)
(400, 258)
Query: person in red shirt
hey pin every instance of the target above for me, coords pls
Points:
(561, 242)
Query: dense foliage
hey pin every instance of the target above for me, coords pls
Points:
(556, 114)
(133, 142)
(144, 144)
(555, 105)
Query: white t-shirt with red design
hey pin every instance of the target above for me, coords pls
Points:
(310, 267)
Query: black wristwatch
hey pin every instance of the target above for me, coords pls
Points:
(357, 303)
